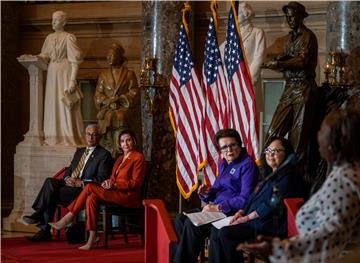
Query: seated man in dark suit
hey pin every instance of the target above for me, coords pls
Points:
(91, 163)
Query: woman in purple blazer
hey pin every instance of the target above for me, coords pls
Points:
(264, 212)
(237, 177)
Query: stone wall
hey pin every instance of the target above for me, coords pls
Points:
(97, 25)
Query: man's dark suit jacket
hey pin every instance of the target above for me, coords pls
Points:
(97, 168)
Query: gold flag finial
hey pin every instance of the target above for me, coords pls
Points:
(213, 7)
(187, 8)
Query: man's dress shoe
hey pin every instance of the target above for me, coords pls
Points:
(32, 219)
(41, 236)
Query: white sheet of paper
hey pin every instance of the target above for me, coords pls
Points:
(203, 218)
(223, 222)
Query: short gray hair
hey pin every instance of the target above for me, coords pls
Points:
(92, 125)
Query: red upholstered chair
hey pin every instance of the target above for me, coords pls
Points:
(60, 174)
(159, 232)
(292, 206)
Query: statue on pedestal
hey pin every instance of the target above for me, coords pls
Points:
(295, 111)
(62, 124)
(254, 44)
(117, 94)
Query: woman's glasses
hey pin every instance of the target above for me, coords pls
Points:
(272, 151)
(229, 147)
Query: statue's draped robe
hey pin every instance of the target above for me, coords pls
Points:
(62, 125)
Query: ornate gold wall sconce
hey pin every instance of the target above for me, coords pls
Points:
(151, 82)
(336, 69)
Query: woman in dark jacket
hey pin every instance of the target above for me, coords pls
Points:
(265, 212)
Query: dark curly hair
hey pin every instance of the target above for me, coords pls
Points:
(343, 140)
(227, 133)
(265, 169)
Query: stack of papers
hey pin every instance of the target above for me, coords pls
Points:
(218, 219)
(223, 222)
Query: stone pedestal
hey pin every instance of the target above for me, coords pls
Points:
(33, 161)
(35, 66)
(32, 165)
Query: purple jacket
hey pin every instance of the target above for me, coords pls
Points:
(234, 184)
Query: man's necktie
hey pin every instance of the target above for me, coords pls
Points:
(75, 174)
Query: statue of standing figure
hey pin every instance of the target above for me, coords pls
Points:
(117, 94)
(62, 124)
(295, 111)
(254, 44)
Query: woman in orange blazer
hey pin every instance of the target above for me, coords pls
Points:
(122, 188)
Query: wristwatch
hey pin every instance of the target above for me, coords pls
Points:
(220, 208)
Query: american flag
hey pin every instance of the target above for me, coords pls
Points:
(186, 99)
(215, 113)
(241, 94)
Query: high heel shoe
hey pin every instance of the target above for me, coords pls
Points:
(57, 227)
(63, 222)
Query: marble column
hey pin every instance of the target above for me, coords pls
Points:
(161, 21)
(343, 25)
(343, 33)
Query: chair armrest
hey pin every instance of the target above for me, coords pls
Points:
(159, 232)
(292, 206)
(60, 174)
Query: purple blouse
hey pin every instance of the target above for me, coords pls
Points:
(234, 184)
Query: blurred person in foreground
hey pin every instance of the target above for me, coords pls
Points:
(329, 222)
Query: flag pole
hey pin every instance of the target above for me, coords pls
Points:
(186, 9)
(235, 7)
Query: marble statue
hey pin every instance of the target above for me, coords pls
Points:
(116, 96)
(62, 124)
(295, 111)
(254, 44)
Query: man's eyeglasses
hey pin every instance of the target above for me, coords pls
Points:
(229, 147)
(272, 151)
(92, 134)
